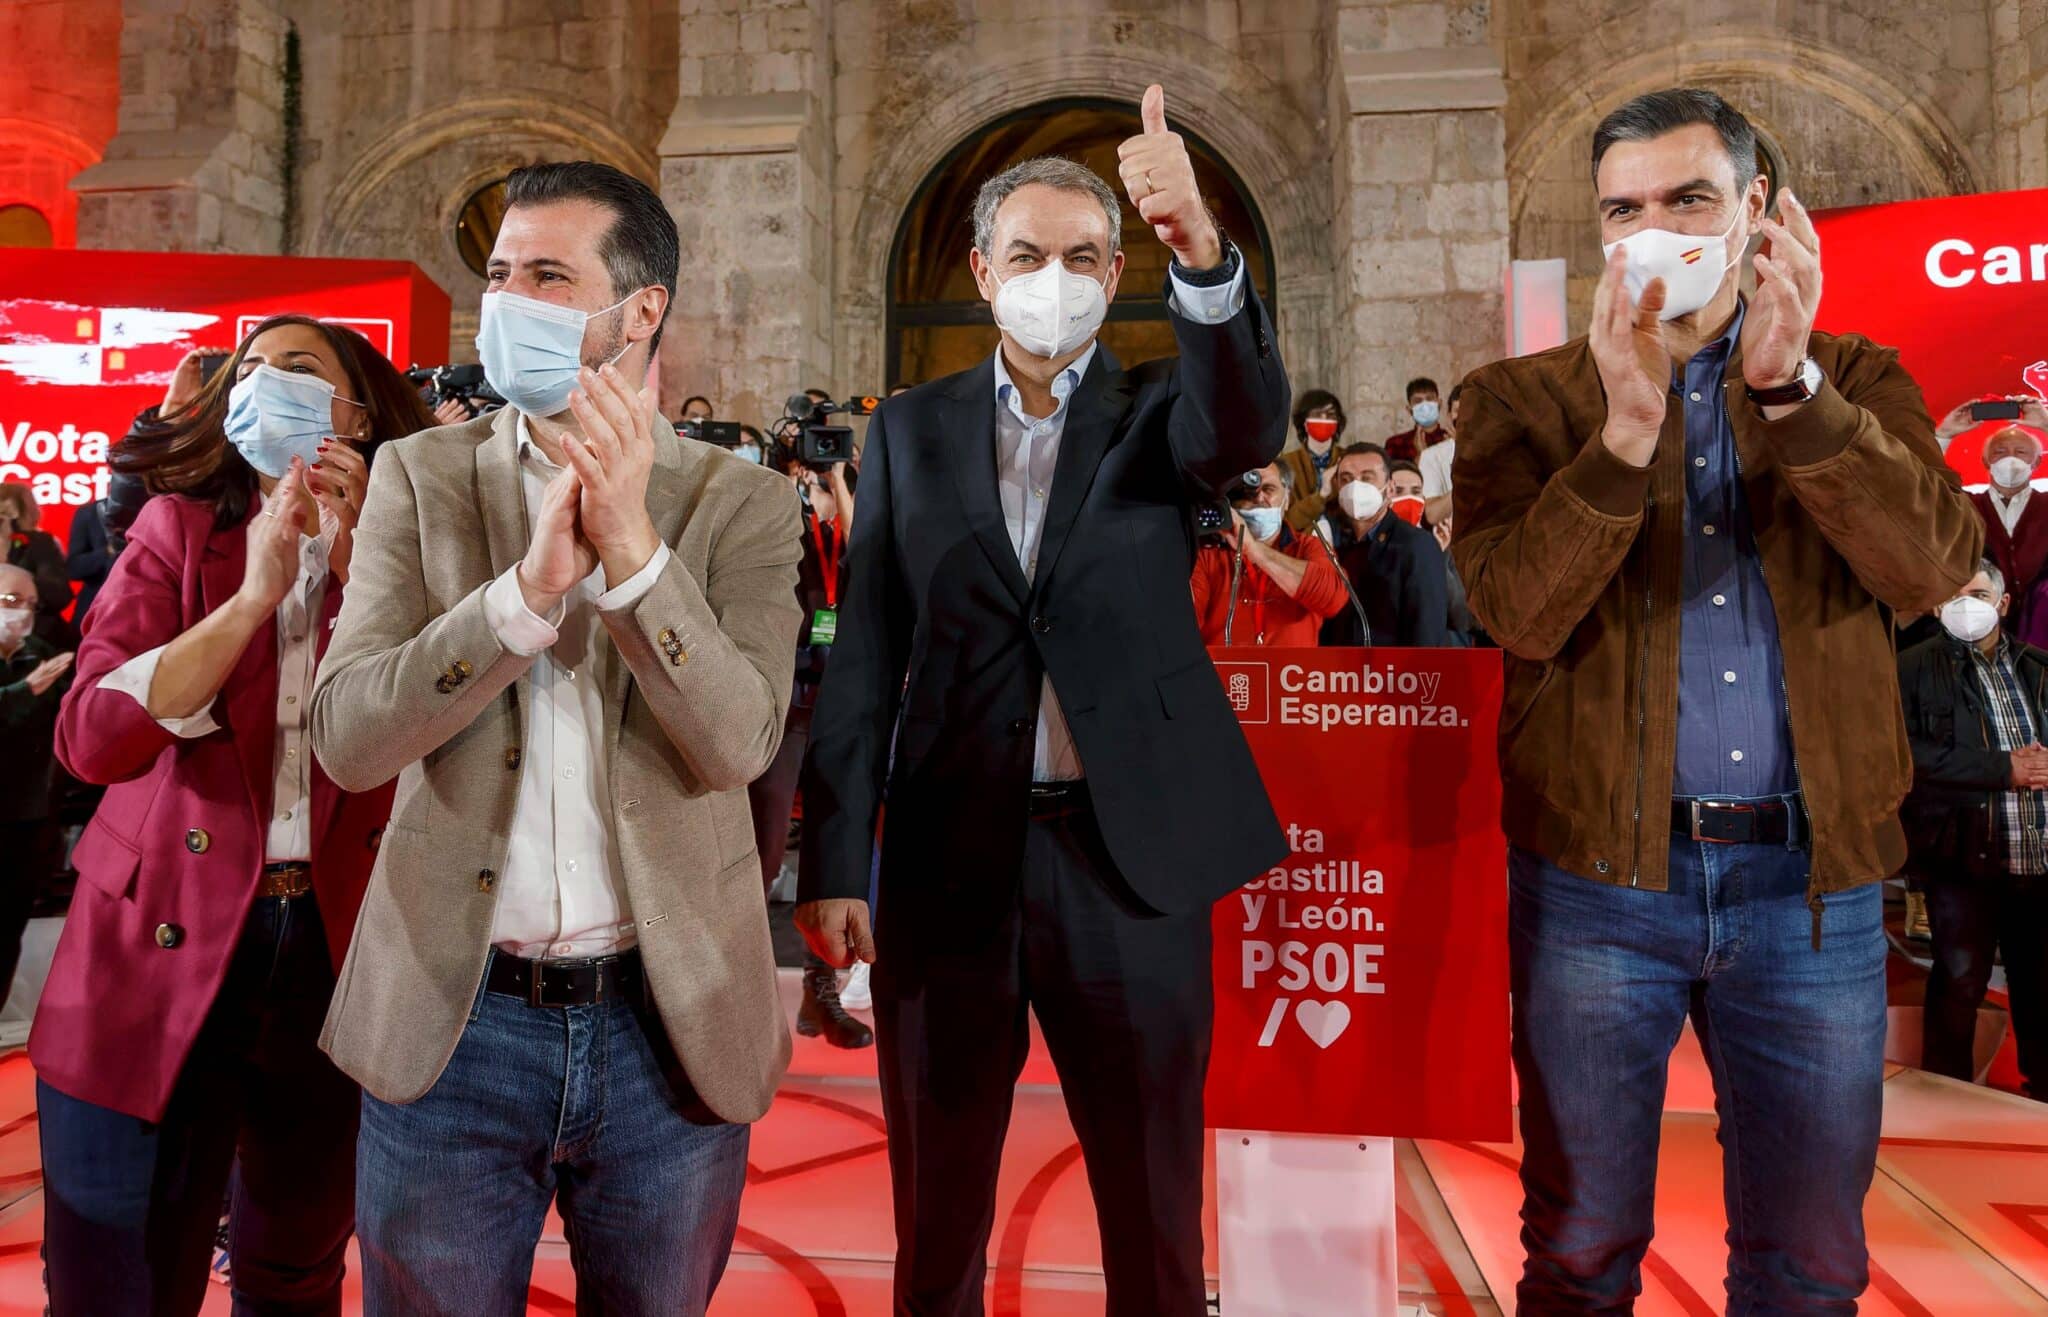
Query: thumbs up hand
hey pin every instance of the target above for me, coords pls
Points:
(1161, 182)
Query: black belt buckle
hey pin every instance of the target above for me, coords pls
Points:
(1717, 821)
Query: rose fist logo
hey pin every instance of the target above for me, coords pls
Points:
(2036, 377)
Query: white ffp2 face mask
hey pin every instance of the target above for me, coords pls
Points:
(2011, 472)
(15, 624)
(1050, 312)
(1361, 501)
(1690, 265)
(1968, 618)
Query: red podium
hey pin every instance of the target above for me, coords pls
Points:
(1361, 985)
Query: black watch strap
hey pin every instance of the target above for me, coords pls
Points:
(1222, 273)
(1805, 383)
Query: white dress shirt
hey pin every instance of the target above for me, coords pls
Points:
(1435, 462)
(1027, 454)
(562, 894)
(2009, 510)
(290, 834)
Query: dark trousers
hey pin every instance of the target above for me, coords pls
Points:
(1973, 920)
(131, 1206)
(1122, 994)
(28, 856)
(771, 796)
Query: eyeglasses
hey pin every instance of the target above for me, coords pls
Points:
(17, 601)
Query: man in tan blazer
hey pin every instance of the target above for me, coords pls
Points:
(569, 635)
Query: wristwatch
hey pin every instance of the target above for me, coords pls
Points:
(1806, 383)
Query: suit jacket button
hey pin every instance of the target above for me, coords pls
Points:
(168, 936)
(512, 759)
(198, 842)
(1042, 625)
(376, 838)
(462, 669)
(1019, 726)
(485, 880)
(442, 685)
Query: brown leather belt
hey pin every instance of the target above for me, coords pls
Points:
(565, 982)
(285, 881)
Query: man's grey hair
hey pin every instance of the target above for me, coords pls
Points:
(1996, 577)
(1050, 171)
(1286, 474)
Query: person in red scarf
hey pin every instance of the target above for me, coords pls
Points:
(1287, 584)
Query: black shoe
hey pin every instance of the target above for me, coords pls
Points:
(821, 1015)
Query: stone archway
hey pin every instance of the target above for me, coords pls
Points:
(431, 164)
(1236, 110)
(1882, 142)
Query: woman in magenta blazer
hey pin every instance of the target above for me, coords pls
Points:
(219, 881)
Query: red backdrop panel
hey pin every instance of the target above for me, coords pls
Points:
(89, 338)
(1362, 986)
(1958, 284)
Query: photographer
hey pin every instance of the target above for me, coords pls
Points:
(827, 496)
(1287, 584)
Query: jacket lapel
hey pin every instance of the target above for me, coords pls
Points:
(501, 499)
(247, 705)
(668, 505)
(1095, 415)
(971, 423)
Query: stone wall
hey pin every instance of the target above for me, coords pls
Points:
(1868, 100)
(1398, 151)
(746, 167)
(2019, 66)
(58, 102)
(195, 165)
(412, 107)
(1421, 200)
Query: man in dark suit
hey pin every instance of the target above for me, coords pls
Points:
(1070, 791)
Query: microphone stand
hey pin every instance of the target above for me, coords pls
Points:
(1323, 538)
(1236, 578)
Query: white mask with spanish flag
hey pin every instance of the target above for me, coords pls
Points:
(1690, 266)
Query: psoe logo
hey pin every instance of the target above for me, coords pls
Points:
(1248, 686)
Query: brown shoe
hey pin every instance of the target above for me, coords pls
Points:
(1917, 927)
(821, 1015)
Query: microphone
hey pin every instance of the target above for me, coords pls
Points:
(799, 406)
(1323, 537)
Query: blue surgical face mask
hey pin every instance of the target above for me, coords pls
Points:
(1263, 523)
(747, 453)
(275, 415)
(531, 350)
(1425, 413)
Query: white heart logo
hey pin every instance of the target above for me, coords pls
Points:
(1323, 1022)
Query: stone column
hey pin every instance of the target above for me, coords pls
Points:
(195, 163)
(1422, 200)
(2019, 71)
(746, 168)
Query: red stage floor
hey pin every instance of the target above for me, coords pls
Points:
(1958, 1217)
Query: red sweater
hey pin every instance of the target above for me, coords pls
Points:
(1263, 609)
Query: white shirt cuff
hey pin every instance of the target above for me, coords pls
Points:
(133, 679)
(636, 586)
(518, 628)
(1210, 305)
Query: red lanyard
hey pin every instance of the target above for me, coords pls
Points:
(828, 558)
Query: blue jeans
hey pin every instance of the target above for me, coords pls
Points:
(130, 1206)
(584, 1104)
(1604, 978)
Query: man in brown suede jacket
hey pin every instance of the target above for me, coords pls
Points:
(1685, 530)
